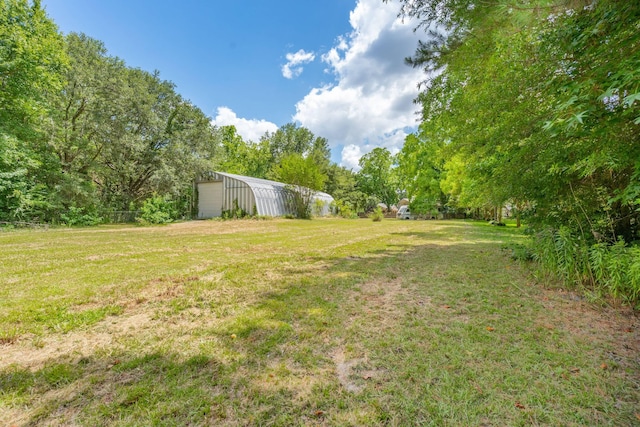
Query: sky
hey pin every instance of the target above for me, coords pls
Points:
(335, 67)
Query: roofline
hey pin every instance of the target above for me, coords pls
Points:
(258, 180)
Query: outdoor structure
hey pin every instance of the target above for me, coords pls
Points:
(219, 192)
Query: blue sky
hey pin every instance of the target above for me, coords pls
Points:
(334, 66)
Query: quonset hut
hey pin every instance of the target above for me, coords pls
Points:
(219, 192)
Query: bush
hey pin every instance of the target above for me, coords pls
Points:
(235, 213)
(344, 209)
(377, 214)
(157, 210)
(78, 216)
(318, 207)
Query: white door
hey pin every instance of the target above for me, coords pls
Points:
(210, 199)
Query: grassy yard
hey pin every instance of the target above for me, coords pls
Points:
(283, 322)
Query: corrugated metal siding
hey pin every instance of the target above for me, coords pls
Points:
(258, 196)
(268, 197)
(236, 190)
(326, 200)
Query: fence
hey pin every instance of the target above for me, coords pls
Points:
(117, 217)
(23, 224)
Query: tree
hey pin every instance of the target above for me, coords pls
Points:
(303, 178)
(538, 107)
(32, 59)
(289, 139)
(20, 197)
(377, 177)
(420, 169)
(244, 158)
(153, 136)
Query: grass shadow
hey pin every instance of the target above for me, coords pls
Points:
(424, 328)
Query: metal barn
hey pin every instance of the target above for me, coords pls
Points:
(219, 192)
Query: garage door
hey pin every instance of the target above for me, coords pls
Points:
(210, 199)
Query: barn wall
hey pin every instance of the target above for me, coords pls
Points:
(235, 190)
(270, 201)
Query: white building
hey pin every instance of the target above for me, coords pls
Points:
(219, 192)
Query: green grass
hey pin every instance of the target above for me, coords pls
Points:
(283, 322)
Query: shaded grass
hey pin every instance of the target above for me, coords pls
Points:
(328, 322)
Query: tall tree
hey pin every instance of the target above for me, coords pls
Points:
(289, 139)
(377, 177)
(32, 59)
(151, 123)
(420, 169)
(81, 119)
(242, 157)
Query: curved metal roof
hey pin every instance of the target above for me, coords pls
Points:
(270, 196)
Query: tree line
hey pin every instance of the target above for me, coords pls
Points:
(83, 135)
(535, 105)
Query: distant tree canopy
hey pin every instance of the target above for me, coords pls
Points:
(82, 134)
(377, 176)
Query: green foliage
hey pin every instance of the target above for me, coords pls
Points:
(420, 170)
(236, 212)
(535, 107)
(342, 184)
(21, 196)
(377, 215)
(32, 58)
(157, 209)
(377, 176)
(318, 207)
(243, 157)
(303, 178)
(344, 209)
(290, 139)
(78, 216)
(607, 269)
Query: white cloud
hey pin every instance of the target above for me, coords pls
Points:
(371, 102)
(350, 156)
(293, 67)
(248, 129)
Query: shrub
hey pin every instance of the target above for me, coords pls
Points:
(78, 216)
(344, 209)
(318, 207)
(377, 214)
(236, 212)
(157, 210)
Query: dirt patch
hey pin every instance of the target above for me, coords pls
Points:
(378, 305)
(381, 299)
(344, 371)
(34, 352)
(614, 330)
(353, 374)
